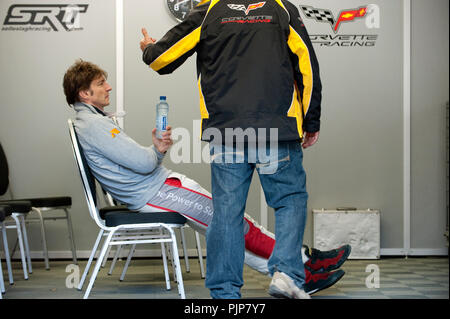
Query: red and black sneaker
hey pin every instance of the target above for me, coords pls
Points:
(326, 260)
(316, 281)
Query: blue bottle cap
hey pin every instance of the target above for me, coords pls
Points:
(162, 98)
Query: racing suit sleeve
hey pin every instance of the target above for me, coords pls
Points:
(111, 142)
(178, 44)
(306, 70)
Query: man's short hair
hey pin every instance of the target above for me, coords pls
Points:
(79, 77)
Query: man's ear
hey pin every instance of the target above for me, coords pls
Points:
(83, 94)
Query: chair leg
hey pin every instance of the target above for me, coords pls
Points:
(170, 257)
(106, 257)
(91, 257)
(116, 256)
(200, 254)
(71, 237)
(21, 247)
(43, 237)
(176, 261)
(7, 256)
(27, 246)
(183, 243)
(125, 268)
(166, 270)
(98, 264)
(2, 283)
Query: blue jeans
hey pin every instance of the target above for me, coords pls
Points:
(283, 180)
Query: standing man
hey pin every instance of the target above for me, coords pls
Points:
(260, 94)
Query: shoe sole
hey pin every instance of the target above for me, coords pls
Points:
(340, 274)
(287, 292)
(280, 294)
(277, 293)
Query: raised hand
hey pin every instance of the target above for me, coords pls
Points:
(146, 40)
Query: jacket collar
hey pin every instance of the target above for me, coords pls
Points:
(79, 107)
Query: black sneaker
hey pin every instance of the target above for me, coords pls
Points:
(316, 281)
(326, 260)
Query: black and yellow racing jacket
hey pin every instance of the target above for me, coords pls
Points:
(256, 66)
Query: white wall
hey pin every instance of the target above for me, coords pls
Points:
(358, 160)
(429, 93)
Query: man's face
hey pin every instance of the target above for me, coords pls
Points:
(98, 93)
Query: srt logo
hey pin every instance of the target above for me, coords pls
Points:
(241, 7)
(55, 15)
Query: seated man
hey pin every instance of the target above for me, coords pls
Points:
(134, 175)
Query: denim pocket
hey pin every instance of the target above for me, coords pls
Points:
(277, 159)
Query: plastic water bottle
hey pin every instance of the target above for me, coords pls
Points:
(162, 112)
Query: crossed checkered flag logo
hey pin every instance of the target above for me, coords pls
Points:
(321, 15)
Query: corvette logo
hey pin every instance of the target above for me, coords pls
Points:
(241, 7)
(368, 14)
(323, 15)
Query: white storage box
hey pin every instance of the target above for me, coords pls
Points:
(359, 228)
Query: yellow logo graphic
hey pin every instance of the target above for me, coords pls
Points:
(114, 132)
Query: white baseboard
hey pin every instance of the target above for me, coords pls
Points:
(414, 252)
(84, 254)
(428, 252)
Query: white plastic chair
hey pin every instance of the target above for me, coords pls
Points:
(39, 205)
(135, 231)
(112, 205)
(15, 219)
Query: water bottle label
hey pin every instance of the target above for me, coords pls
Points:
(163, 123)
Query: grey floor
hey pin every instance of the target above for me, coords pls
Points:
(414, 277)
